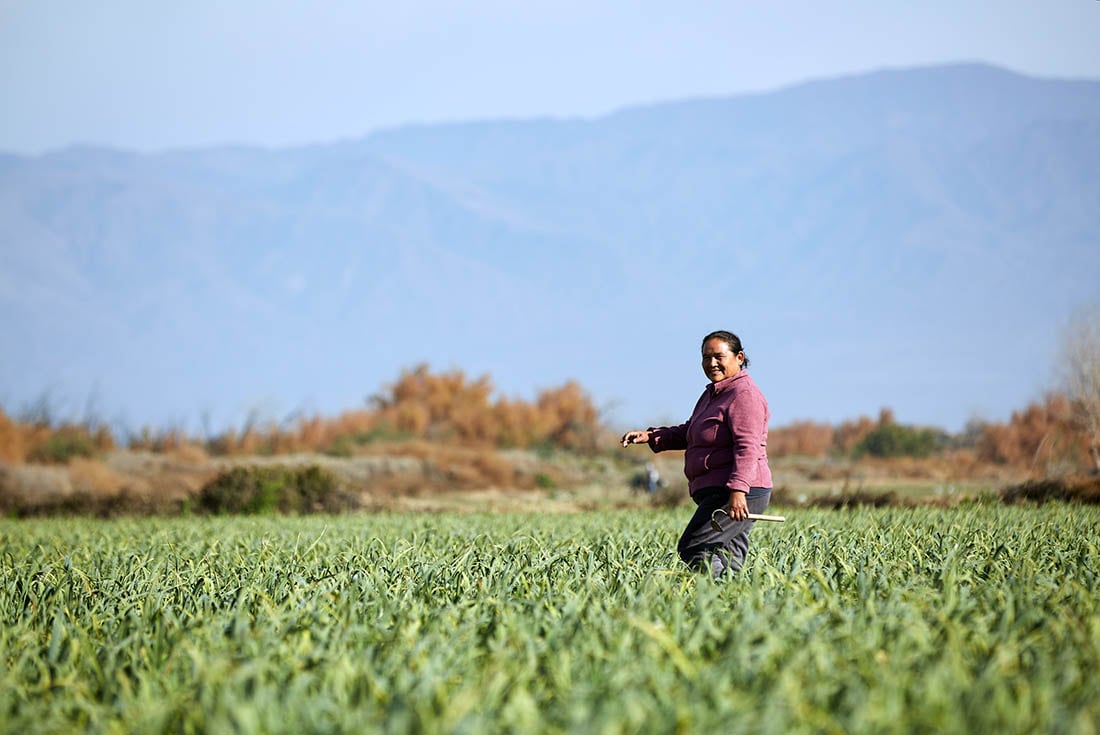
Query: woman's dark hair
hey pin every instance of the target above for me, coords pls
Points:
(730, 339)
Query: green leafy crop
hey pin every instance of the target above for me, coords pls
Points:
(982, 618)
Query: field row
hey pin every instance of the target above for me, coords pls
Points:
(979, 618)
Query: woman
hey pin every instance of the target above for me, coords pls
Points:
(726, 458)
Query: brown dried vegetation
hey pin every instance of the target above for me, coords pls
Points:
(430, 432)
(442, 407)
(41, 442)
(1043, 436)
(802, 439)
(1077, 489)
(1046, 437)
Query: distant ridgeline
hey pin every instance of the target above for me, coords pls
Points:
(875, 230)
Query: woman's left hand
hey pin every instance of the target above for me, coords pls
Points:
(739, 507)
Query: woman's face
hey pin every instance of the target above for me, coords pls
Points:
(719, 362)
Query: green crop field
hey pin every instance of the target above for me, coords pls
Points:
(977, 619)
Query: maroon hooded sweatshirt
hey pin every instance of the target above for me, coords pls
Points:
(725, 439)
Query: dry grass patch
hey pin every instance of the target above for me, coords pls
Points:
(95, 478)
(33, 487)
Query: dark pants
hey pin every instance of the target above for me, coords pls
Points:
(719, 552)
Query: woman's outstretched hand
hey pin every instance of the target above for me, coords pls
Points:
(635, 437)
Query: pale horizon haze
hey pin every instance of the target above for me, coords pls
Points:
(151, 76)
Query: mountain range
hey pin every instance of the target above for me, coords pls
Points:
(911, 238)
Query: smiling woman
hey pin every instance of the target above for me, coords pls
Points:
(723, 356)
(726, 458)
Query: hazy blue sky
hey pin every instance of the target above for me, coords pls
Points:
(147, 75)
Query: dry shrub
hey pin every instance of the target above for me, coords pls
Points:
(13, 440)
(1073, 489)
(84, 487)
(415, 448)
(801, 438)
(440, 407)
(191, 454)
(1042, 436)
(252, 441)
(1047, 437)
(60, 444)
(276, 488)
(134, 500)
(851, 433)
(494, 470)
(42, 442)
(165, 440)
(315, 433)
(437, 406)
(812, 439)
(568, 418)
(32, 486)
(447, 406)
(518, 423)
(95, 478)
